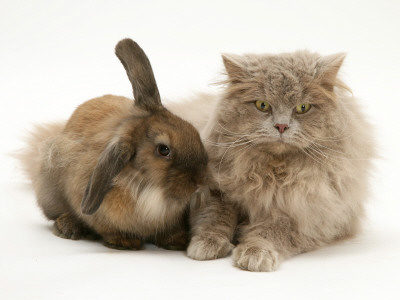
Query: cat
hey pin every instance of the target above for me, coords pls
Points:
(290, 155)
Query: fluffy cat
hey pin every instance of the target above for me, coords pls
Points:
(289, 157)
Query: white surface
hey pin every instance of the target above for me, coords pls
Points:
(56, 54)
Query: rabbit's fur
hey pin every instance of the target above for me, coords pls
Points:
(121, 170)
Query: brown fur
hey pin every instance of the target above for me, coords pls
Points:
(280, 194)
(101, 173)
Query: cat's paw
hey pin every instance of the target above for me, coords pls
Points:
(254, 258)
(209, 247)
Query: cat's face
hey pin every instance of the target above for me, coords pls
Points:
(284, 101)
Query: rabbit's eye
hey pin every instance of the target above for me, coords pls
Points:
(163, 150)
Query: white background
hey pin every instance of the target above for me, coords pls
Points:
(56, 54)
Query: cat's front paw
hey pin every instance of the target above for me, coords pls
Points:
(255, 258)
(209, 247)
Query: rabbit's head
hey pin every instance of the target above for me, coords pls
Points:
(150, 148)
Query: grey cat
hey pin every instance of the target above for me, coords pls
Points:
(290, 154)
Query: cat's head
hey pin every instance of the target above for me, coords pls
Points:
(284, 101)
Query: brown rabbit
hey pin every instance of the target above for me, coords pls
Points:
(121, 170)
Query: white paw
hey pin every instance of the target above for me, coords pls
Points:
(210, 247)
(256, 259)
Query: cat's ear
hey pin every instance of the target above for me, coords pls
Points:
(328, 68)
(235, 68)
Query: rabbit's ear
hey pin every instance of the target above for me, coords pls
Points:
(111, 162)
(140, 74)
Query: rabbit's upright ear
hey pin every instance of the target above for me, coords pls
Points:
(140, 74)
(113, 159)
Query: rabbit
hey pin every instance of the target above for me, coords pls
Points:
(120, 170)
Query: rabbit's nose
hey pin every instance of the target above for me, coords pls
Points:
(199, 188)
(202, 189)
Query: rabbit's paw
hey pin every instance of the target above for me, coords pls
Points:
(254, 258)
(173, 241)
(68, 227)
(209, 247)
(122, 243)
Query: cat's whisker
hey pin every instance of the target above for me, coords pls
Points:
(342, 132)
(336, 138)
(335, 161)
(236, 143)
(333, 157)
(229, 146)
(332, 139)
(250, 144)
(228, 134)
(314, 157)
(337, 156)
(220, 163)
(315, 153)
(227, 130)
(323, 146)
(324, 155)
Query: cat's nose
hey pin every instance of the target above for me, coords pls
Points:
(281, 127)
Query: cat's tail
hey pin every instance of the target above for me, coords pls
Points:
(36, 145)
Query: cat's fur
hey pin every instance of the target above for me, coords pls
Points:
(276, 195)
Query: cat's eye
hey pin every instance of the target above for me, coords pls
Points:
(262, 106)
(303, 108)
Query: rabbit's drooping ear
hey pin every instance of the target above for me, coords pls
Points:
(140, 74)
(111, 162)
